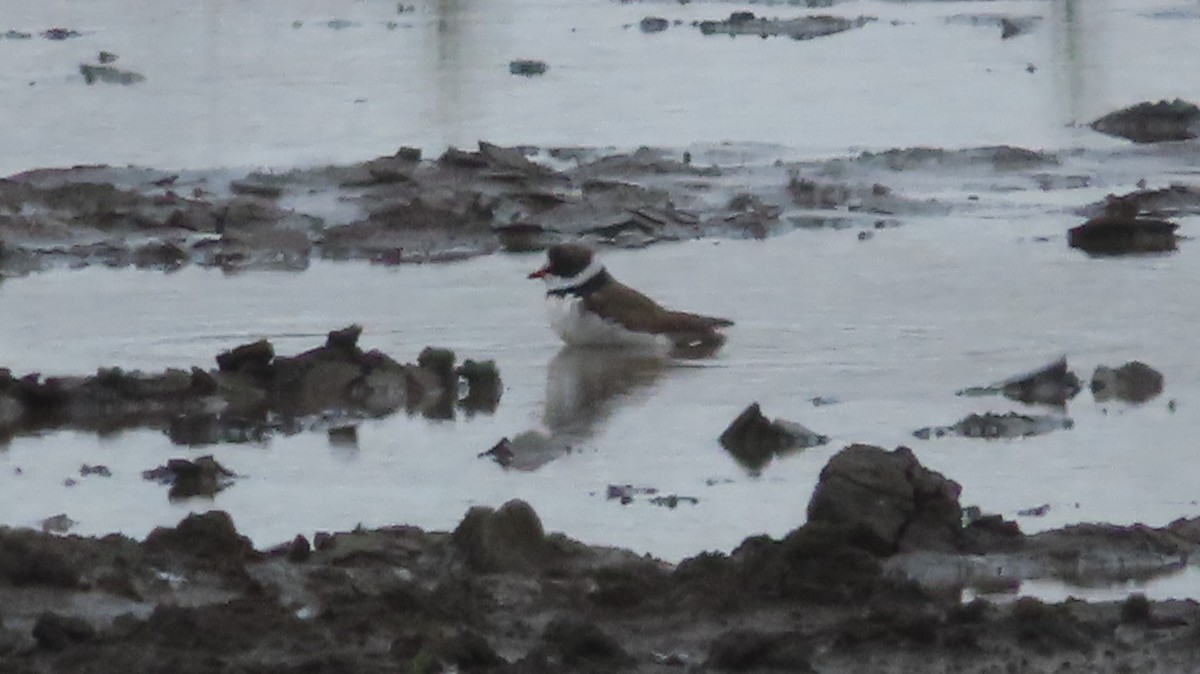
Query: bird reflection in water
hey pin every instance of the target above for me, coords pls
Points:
(584, 387)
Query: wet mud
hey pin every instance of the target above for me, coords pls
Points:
(874, 581)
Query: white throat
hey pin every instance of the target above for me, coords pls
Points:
(589, 272)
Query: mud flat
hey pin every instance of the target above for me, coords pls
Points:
(862, 587)
(405, 208)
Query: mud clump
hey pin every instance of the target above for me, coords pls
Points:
(1152, 122)
(800, 28)
(755, 440)
(903, 505)
(1121, 230)
(510, 538)
(1134, 382)
(202, 477)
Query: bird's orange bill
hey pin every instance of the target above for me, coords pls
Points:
(540, 273)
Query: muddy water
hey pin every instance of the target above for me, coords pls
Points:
(231, 83)
(890, 328)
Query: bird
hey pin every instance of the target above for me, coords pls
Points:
(588, 307)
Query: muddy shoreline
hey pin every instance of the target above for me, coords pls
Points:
(500, 594)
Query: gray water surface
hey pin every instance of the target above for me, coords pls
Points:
(890, 328)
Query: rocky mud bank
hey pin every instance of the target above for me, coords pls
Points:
(253, 393)
(406, 208)
(872, 582)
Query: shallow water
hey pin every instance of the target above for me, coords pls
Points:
(236, 83)
(890, 328)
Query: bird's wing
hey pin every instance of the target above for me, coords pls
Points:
(642, 314)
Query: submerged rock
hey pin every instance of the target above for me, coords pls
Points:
(754, 440)
(654, 24)
(1120, 230)
(527, 67)
(109, 75)
(202, 477)
(996, 426)
(1053, 384)
(901, 503)
(1134, 382)
(1152, 122)
(800, 28)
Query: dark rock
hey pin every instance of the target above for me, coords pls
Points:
(323, 540)
(210, 535)
(904, 505)
(754, 440)
(27, 560)
(343, 436)
(654, 24)
(438, 361)
(1134, 382)
(1121, 230)
(54, 632)
(202, 477)
(107, 57)
(1152, 122)
(508, 539)
(345, 339)
(299, 550)
(743, 650)
(484, 387)
(250, 358)
(101, 470)
(1136, 609)
(1053, 384)
(575, 641)
(527, 67)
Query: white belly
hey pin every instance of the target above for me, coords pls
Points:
(583, 328)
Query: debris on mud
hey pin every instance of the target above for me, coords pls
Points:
(203, 477)
(1152, 122)
(874, 577)
(108, 74)
(799, 28)
(1134, 382)
(1053, 384)
(527, 67)
(754, 440)
(996, 426)
(252, 393)
(1122, 230)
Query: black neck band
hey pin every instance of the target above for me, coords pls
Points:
(583, 289)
